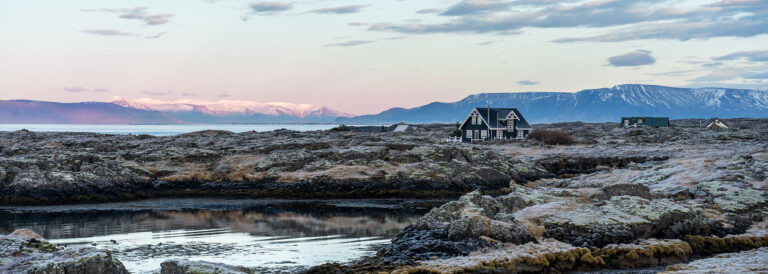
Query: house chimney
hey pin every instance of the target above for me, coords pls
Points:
(489, 114)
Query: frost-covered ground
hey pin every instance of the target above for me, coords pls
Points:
(616, 199)
(623, 199)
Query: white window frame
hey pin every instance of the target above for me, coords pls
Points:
(519, 134)
(499, 134)
(483, 134)
(469, 133)
(510, 125)
(639, 121)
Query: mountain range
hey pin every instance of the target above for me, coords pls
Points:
(593, 105)
(149, 111)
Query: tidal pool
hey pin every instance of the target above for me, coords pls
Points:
(270, 235)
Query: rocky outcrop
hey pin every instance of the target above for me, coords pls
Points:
(622, 219)
(751, 261)
(459, 227)
(27, 252)
(555, 256)
(544, 229)
(200, 267)
(61, 168)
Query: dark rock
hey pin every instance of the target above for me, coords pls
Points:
(200, 267)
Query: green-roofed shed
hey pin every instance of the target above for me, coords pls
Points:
(645, 121)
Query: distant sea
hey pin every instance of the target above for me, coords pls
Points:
(159, 130)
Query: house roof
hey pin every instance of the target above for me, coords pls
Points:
(401, 127)
(493, 115)
(712, 120)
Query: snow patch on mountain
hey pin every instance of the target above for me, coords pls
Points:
(230, 107)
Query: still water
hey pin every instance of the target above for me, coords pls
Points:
(159, 130)
(271, 235)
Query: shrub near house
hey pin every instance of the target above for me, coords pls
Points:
(551, 137)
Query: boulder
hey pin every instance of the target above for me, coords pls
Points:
(200, 267)
(25, 252)
(25, 234)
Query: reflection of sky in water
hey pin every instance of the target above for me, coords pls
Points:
(273, 234)
(144, 251)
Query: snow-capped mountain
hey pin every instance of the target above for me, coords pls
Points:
(593, 105)
(38, 112)
(235, 111)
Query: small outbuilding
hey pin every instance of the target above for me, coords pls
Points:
(403, 127)
(714, 123)
(645, 121)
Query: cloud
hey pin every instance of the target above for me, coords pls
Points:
(82, 89)
(632, 59)
(486, 43)
(757, 75)
(753, 56)
(357, 24)
(474, 6)
(138, 13)
(155, 36)
(527, 83)
(270, 7)
(188, 94)
(108, 32)
(350, 43)
(340, 10)
(428, 11)
(717, 76)
(628, 19)
(75, 89)
(156, 93)
(224, 95)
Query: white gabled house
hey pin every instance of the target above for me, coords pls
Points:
(494, 124)
(714, 123)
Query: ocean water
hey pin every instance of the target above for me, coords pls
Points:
(268, 234)
(160, 130)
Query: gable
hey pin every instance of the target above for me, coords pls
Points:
(474, 111)
(512, 115)
(493, 118)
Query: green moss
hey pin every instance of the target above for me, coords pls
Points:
(732, 198)
(620, 210)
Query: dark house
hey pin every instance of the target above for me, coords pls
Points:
(645, 121)
(493, 124)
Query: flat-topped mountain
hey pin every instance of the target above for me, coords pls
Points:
(592, 105)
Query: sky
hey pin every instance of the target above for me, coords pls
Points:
(363, 57)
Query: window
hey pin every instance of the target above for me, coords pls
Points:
(519, 134)
(499, 134)
(510, 125)
(483, 134)
(640, 121)
(475, 119)
(469, 134)
(626, 122)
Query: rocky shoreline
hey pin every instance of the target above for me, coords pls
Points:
(70, 168)
(617, 199)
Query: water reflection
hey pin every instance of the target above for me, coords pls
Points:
(274, 234)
